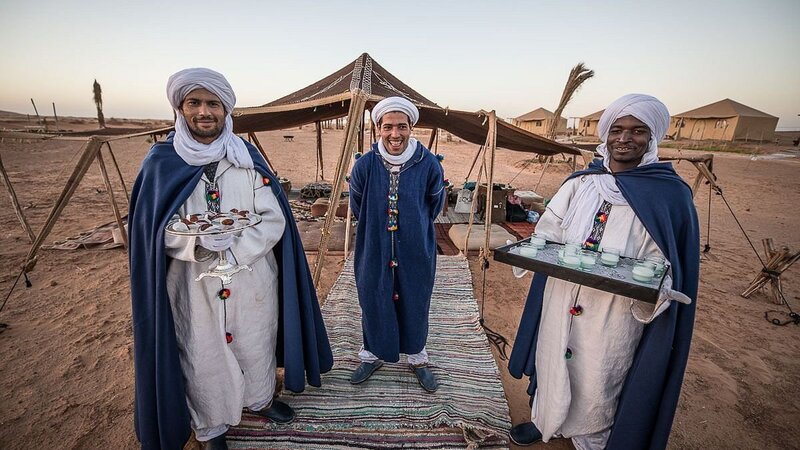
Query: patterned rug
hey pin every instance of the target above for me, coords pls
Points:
(391, 410)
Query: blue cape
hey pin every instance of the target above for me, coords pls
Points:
(394, 327)
(663, 202)
(161, 415)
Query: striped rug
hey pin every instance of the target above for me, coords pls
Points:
(390, 410)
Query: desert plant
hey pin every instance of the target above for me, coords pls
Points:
(577, 76)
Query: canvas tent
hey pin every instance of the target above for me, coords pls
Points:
(538, 122)
(588, 124)
(725, 120)
(330, 97)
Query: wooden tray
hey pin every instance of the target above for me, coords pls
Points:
(616, 280)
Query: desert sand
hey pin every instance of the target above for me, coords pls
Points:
(66, 374)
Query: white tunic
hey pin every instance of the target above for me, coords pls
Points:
(223, 378)
(578, 396)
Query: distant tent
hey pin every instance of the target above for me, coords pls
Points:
(588, 124)
(725, 120)
(538, 122)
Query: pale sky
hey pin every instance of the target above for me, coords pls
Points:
(511, 56)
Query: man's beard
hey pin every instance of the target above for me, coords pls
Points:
(204, 132)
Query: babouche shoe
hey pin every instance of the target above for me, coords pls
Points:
(525, 434)
(364, 371)
(425, 377)
(277, 412)
(218, 443)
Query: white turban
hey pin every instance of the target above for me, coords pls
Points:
(395, 104)
(579, 218)
(227, 145)
(647, 109)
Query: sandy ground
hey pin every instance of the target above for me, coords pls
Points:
(66, 375)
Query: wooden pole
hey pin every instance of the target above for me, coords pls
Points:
(357, 104)
(119, 172)
(474, 199)
(55, 115)
(90, 150)
(38, 118)
(433, 139)
(541, 175)
(474, 160)
(361, 133)
(487, 219)
(253, 137)
(111, 197)
(347, 225)
(320, 175)
(15, 203)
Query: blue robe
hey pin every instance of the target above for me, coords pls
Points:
(663, 203)
(161, 414)
(393, 327)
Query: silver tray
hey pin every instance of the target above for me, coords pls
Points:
(616, 280)
(216, 227)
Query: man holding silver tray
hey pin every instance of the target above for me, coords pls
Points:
(606, 370)
(207, 344)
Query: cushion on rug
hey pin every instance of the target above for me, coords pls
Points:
(497, 238)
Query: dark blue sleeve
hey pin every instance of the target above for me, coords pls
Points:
(436, 192)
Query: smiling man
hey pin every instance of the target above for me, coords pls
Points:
(203, 351)
(605, 369)
(396, 192)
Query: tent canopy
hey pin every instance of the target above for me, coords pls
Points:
(329, 98)
(724, 109)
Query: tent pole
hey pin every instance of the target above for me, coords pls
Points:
(544, 169)
(90, 150)
(263, 153)
(347, 225)
(15, 203)
(487, 216)
(373, 135)
(357, 103)
(474, 202)
(320, 175)
(114, 205)
(434, 132)
(474, 160)
(361, 133)
(119, 172)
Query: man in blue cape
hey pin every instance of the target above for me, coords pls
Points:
(205, 349)
(605, 369)
(396, 192)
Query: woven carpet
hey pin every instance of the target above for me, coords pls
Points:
(521, 230)
(390, 410)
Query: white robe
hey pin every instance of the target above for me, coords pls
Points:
(578, 397)
(223, 378)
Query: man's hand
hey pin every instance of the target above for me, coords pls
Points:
(216, 242)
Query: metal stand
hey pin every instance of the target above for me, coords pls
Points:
(224, 270)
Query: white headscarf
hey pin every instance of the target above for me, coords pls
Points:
(227, 145)
(393, 104)
(646, 108)
(396, 104)
(594, 189)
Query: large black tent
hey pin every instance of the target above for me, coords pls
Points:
(330, 98)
